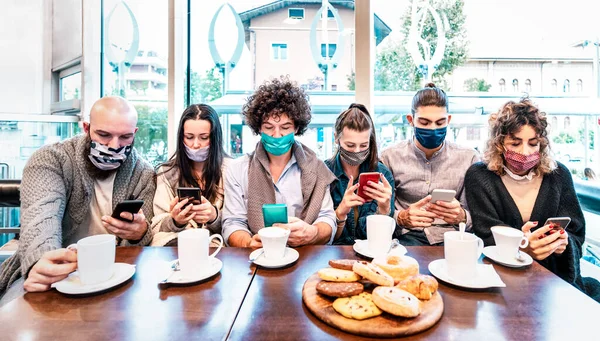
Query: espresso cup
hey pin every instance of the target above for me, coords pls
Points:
(461, 251)
(274, 241)
(508, 240)
(95, 258)
(380, 229)
(192, 248)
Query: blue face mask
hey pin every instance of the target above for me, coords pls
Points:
(430, 138)
(277, 145)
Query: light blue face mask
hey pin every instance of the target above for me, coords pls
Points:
(277, 145)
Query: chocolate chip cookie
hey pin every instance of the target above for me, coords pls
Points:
(344, 264)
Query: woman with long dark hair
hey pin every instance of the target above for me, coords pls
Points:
(356, 154)
(198, 162)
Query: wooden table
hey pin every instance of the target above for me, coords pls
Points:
(138, 310)
(535, 305)
(244, 303)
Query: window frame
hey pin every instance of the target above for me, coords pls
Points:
(296, 8)
(272, 50)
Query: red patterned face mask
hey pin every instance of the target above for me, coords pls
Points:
(520, 163)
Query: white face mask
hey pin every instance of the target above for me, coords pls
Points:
(197, 155)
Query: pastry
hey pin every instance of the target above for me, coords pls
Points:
(357, 307)
(338, 275)
(337, 289)
(399, 267)
(344, 264)
(422, 286)
(396, 301)
(373, 273)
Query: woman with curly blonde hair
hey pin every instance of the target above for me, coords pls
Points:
(518, 184)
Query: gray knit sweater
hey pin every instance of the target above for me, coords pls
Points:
(56, 191)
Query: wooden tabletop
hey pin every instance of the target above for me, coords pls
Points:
(138, 310)
(535, 305)
(245, 303)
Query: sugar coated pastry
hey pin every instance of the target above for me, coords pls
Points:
(396, 301)
(422, 286)
(373, 273)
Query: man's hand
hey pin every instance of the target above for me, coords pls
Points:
(416, 215)
(126, 230)
(451, 212)
(54, 266)
(301, 233)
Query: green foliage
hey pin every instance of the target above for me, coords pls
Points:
(151, 137)
(564, 137)
(206, 88)
(477, 85)
(351, 81)
(394, 68)
(590, 137)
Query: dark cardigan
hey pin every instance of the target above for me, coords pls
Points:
(492, 205)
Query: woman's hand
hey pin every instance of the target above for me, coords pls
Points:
(541, 246)
(205, 212)
(181, 215)
(381, 192)
(349, 201)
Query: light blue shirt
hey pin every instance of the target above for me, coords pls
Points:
(288, 190)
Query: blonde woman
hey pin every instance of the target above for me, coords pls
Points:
(518, 184)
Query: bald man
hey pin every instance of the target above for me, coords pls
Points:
(69, 191)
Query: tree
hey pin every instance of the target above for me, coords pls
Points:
(394, 68)
(581, 133)
(477, 85)
(151, 137)
(207, 88)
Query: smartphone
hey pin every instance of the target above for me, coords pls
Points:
(192, 193)
(558, 223)
(131, 206)
(363, 180)
(274, 214)
(442, 195)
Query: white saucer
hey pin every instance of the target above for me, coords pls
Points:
(72, 285)
(289, 257)
(486, 276)
(361, 246)
(491, 252)
(180, 278)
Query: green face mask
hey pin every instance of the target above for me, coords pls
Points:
(277, 145)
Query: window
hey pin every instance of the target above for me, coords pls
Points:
(333, 87)
(515, 84)
(567, 123)
(579, 85)
(330, 15)
(554, 85)
(70, 87)
(328, 54)
(502, 85)
(279, 51)
(567, 86)
(528, 85)
(296, 13)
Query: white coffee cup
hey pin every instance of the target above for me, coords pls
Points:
(274, 241)
(461, 251)
(380, 229)
(508, 240)
(95, 258)
(192, 248)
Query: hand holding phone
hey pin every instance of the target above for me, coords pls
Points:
(446, 195)
(193, 195)
(557, 224)
(131, 206)
(274, 214)
(363, 180)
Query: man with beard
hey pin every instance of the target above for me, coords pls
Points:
(69, 191)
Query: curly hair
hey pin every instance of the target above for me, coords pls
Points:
(274, 98)
(509, 120)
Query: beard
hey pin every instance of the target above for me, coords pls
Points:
(93, 171)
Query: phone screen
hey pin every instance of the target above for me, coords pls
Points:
(193, 195)
(131, 206)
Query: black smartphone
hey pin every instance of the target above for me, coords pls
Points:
(193, 195)
(131, 206)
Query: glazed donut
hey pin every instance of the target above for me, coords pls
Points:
(399, 267)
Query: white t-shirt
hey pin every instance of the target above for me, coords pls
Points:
(100, 205)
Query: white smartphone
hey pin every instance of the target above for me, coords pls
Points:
(558, 223)
(442, 195)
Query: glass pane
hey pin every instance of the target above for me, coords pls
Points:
(70, 87)
(136, 46)
(266, 33)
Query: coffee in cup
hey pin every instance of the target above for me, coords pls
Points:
(461, 251)
(380, 229)
(508, 240)
(193, 250)
(95, 258)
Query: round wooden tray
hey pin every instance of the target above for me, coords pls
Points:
(384, 325)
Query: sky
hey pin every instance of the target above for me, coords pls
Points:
(496, 28)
